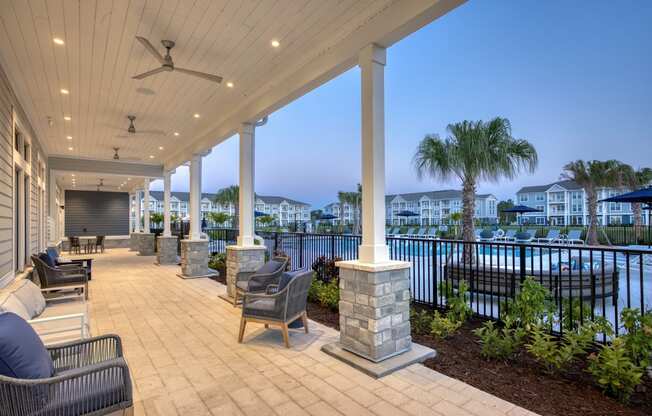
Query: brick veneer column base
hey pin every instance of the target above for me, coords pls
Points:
(146, 243)
(241, 259)
(194, 259)
(133, 241)
(166, 250)
(375, 318)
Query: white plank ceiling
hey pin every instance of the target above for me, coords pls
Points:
(231, 38)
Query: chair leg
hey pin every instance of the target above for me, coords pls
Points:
(243, 324)
(286, 336)
(304, 319)
(235, 298)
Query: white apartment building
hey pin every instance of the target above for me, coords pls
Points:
(432, 208)
(564, 203)
(283, 210)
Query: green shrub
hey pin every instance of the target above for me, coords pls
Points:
(458, 310)
(443, 326)
(558, 355)
(218, 262)
(420, 321)
(530, 306)
(638, 338)
(315, 288)
(614, 370)
(329, 295)
(574, 313)
(499, 343)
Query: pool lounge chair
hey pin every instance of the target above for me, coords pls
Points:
(422, 231)
(410, 232)
(486, 236)
(432, 233)
(574, 237)
(553, 235)
(393, 231)
(524, 237)
(508, 236)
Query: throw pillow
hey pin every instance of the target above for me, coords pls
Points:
(22, 353)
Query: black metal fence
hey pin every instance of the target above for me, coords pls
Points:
(585, 282)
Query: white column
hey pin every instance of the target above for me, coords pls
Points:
(372, 64)
(137, 226)
(167, 179)
(146, 206)
(195, 197)
(247, 179)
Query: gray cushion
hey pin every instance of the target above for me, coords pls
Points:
(262, 304)
(11, 303)
(31, 297)
(287, 277)
(269, 267)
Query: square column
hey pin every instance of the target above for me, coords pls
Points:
(137, 226)
(195, 197)
(372, 64)
(167, 179)
(146, 228)
(247, 182)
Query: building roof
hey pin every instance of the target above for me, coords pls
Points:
(185, 197)
(443, 194)
(566, 184)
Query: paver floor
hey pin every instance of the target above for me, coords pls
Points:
(180, 342)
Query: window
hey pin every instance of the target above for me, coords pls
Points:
(523, 198)
(540, 197)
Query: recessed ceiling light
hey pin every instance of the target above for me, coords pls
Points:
(70, 148)
(73, 175)
(64, 91)
(151, 156)
(229, 84)
(128, 179)
(69, 137)
(276, 43)
(176, 133)
(196, 115)
(160, 148)
(67, 118)
(58, 41)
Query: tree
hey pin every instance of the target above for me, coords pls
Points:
(218, 218)
(593, 175)
(156, 218)
(474, 151)
(635, 179)
(230, 196)
(354, 200)
(506, 217)
(266, 220)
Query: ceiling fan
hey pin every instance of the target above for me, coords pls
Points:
(100, 185)
(131, 130)
(167, 64)
(116, 156)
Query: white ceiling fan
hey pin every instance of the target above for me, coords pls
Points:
(131, 130)
(167, 65)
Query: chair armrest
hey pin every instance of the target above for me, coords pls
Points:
(24, 397)
(75, 354)
(240, 276)
(271, 289)
(81, 317)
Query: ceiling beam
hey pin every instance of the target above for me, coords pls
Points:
(106, 167)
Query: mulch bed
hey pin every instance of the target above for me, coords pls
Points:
(521, 380)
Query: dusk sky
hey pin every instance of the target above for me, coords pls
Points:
(574, 78)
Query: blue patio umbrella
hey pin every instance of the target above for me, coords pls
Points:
(640, 196)
(406, 214)
(259, 214)
(328, 217)
(520, 209)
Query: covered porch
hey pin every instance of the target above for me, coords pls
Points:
(180, 341)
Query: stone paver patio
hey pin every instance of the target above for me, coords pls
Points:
(180, 342)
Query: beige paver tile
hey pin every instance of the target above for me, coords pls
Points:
(382, 408)
(321, 409)
(290, 409)
(362, 396)
(273, 396)
(449, 409)
(302, 396)
(392, 396)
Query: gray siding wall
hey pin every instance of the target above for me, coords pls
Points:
(6, 179)
(96, 213)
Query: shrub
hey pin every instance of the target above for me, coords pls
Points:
(218, 262)
(315, 288)
(326, 294)
(458, 310)
(530, 306)
(326, 269)
(574, 313)
(614, 370)
(443, 326)
(638, 338)
(499, 343)
(420, 321)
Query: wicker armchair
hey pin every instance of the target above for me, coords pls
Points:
(90, 378)
(269, 274)
(280, 307)
(72, 276)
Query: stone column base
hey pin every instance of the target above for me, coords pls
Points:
(194, 259)
(166, 250)
(146, 243)
(133, 241)
(241, 259)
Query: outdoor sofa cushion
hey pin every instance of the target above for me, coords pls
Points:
(22, 353)
(286, 278)
(11, 303)
(47, 259)
(31, 297)
(269, 267)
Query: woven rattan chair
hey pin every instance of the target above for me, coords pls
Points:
(256, 282)
(60, 277)
(90, 378)
(278, 308)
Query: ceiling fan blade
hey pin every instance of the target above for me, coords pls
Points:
(210, 77)
(151, 49)
(148, 73)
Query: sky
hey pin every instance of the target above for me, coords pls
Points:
(573, 77)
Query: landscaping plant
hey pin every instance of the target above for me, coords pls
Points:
(500, 343)
(638, 338)
(613, 369)
(530, 306)
(420, 321)
(443, 326)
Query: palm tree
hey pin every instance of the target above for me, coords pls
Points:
(474, 151)
(218, 218)
(593, 175)
(636, 179)
(354, 200)
(230, 196)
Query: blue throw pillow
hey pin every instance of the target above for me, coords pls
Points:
(285, 279)
(52, 253)
(22, 353)
(47, 259)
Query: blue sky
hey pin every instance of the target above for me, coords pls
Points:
(573, 77)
